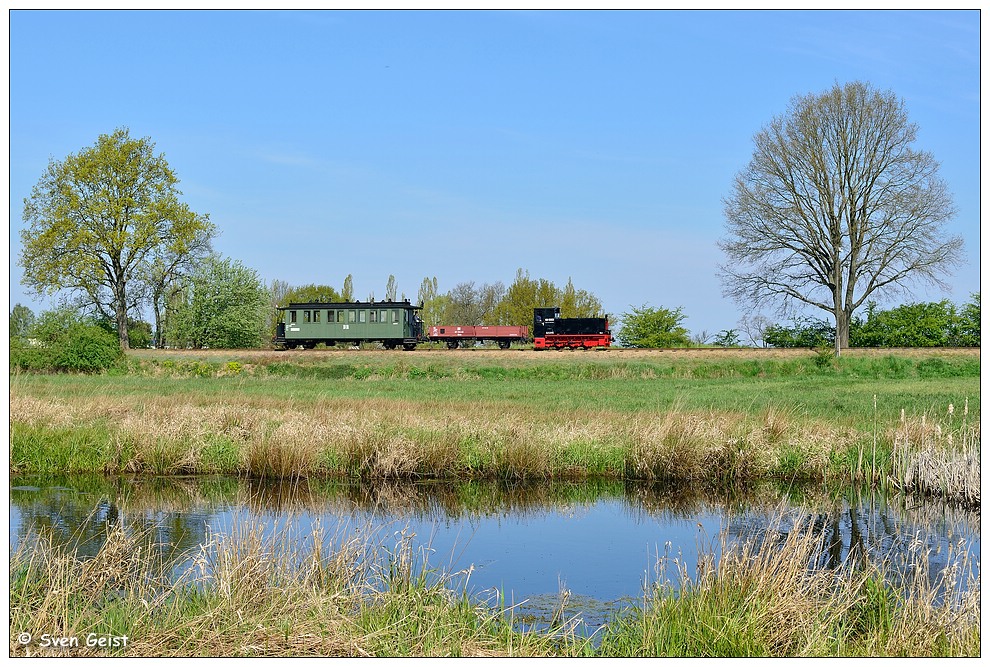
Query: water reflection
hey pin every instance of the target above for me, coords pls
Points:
(524, 543)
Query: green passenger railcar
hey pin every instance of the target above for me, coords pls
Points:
(392, 323)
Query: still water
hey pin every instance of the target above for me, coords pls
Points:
(521, 544)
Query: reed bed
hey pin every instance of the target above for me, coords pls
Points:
(939, 456)
(385, 439)
(253, 592)
(760, 598)
(262, 592)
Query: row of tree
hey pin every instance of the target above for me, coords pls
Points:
(221, 303)
(932, 324)
(495, 304)
(106, 229)
(225, 305)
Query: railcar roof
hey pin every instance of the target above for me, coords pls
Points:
(351, 304)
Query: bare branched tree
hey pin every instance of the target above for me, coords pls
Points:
(836, 206)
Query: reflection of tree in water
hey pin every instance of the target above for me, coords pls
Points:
(857, 528)
(172, 514)
(79, 519)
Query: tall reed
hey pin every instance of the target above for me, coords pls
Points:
(938, 455)
(761, 597)
(255, 591)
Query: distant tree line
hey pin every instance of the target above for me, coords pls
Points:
(495, 304)
(933, 324)
(221, 303)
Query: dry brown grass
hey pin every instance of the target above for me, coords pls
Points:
(382, 438)
(939, 455)
(397, 439)
(252, 592)
(523, 355)
(760, 598)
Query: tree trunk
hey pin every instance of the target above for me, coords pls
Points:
(841, 330)
(120, 311)
(158, 323)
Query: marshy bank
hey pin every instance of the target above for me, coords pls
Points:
(233, 566)
(911, 422)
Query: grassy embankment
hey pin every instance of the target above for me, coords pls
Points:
(910, 420)
(250, 594)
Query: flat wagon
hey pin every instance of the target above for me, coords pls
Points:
(458, 335)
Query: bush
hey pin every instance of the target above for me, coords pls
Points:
(62, 341)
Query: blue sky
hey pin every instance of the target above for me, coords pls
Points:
(466, 145)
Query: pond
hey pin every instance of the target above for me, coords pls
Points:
(522, 544)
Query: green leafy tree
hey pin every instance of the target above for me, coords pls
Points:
(804, 332)
(653, 327)
(837, 205)
(311, 293)
(139, 332)
(391, 288)
(97, 218)
(578, 302)
(21, 319)
(430, 299)
(347, 292)
(966, 333)
(909, 325)
(727, 338)
(224, 306)
(521, 297)
(526, 293)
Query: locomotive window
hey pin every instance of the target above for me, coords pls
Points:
(340, 316)
(383, 316)
(373, 316)
(292, 317)
(316, 316)
(362, 315)
(350, 315)
(395, 317)
(306, 316)
(329, 317)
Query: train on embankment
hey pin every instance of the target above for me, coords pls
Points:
(396, 324)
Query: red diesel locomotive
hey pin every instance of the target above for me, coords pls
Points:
(553, 332)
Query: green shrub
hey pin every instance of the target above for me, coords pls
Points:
(63, 341)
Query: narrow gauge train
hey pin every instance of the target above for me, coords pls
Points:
(395, 323)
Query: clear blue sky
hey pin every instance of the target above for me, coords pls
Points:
(465, 145)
